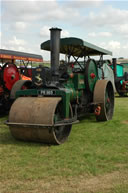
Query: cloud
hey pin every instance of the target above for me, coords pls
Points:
(83, 3)
(14, 44)
(111, 45)
(0, 38)
(16, 41)
(122, 29)
(45, 33)
(35, 10)
(110, 16)
(27, 0)
(107, 22)
(114, 19)
(65, 33)
(115, 46)
(19, 26)
(27, 22)
(99, 34)
(125, 46)
(92, 34)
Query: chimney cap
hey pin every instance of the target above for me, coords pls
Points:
(55, 28)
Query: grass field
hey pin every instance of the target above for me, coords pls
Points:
(93, 160)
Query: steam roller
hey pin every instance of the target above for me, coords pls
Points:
(60, 95)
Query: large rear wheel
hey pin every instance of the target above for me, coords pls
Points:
(104, 100)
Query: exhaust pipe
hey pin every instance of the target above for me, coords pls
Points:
(55, 50)
(114, 62)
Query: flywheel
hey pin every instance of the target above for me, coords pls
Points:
(10, 75)
(91, 75)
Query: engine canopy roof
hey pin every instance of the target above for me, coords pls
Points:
(77, 47)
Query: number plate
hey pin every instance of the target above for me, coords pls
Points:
(47, 92)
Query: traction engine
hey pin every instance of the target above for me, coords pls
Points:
(10, 74)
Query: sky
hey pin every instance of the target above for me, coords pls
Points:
(25, 24)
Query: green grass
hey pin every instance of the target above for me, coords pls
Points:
(94, 159)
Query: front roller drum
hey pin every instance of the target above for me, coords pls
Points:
(33, 119)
